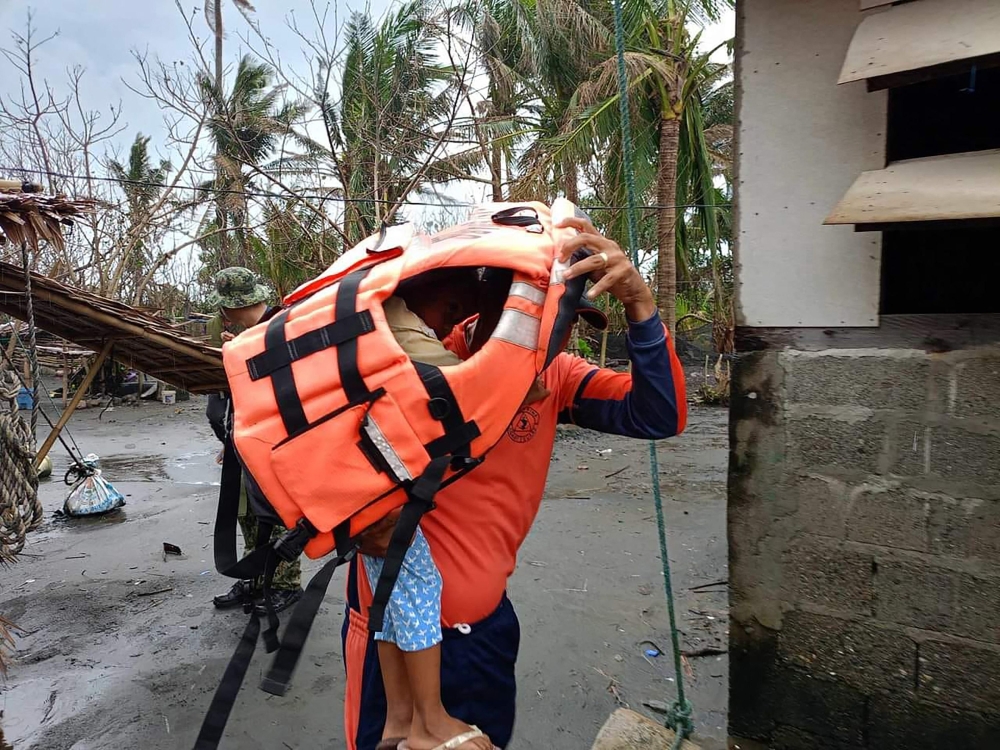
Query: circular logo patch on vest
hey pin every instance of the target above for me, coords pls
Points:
(524, 426)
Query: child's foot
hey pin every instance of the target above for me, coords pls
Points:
(397, 726)
(446, 734)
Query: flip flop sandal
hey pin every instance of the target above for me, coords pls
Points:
(456, 742)
(392, 743)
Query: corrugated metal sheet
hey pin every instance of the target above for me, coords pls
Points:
(920, 35)
(149, 343)
(957, 186)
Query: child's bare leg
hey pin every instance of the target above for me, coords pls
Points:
(399, 703)
(432, 725)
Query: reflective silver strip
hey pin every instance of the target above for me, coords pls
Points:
(559, 269)
(388, 452)
(527, 291)
(518, 328)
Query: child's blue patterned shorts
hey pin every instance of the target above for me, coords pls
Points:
(413, 616)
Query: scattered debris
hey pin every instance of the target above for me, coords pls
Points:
(50, 704)
(653, 648)
(657, 706)
(699, 587)
(715, 393)
(616, 473)
(612, 687)
(171, 549)
(705, 651)
(154, 593)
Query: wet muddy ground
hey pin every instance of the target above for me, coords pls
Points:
(121, 647)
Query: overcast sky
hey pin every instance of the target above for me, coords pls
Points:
(101, 35)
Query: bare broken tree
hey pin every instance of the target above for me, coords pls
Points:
(55, 139)
(391, 118)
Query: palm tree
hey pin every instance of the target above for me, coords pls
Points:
(505, 37)
(142, 182)
(397, 105)
(667, 77)
(297, 244)
(213, 15)
(246, 125)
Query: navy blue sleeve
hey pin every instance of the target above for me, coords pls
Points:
(649, 402)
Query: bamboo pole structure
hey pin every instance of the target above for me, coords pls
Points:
(122, 325)
(77, 397)
(65, 370)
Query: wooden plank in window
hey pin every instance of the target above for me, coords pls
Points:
(956, 187)
(927, 34)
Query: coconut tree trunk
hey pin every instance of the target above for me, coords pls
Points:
(220, 211)
(218, 44)
(496, 170)
(570, 175)
(572, 195)
(666, 224)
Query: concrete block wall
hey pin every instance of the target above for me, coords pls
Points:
(864, 532)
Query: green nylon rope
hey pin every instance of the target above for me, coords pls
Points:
(630, 200)
(679, 714)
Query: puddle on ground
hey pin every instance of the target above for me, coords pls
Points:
(146, 468)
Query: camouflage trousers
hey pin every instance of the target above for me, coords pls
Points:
(287, 576)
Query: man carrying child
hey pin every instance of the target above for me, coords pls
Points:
(453, 686)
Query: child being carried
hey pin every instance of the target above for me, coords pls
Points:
(409, 645)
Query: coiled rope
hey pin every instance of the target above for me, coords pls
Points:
(20, 509)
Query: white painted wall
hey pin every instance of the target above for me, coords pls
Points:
(802, 141)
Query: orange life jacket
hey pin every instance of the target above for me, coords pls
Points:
(331, 418)
(334, 426)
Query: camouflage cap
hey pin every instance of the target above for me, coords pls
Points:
(237, 287)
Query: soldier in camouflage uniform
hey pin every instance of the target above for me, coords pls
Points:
(242, 302)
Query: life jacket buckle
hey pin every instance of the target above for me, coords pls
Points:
(458, 463)
(439, 408)
(292, 543)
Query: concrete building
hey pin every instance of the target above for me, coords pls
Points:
(864, 489)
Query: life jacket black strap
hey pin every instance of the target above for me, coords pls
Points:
(444, 407)
(343, 333)
(343, 329)
(215, 721)
(347, 353)
(226, 520)
(299, 624)
(270, 635)
(421, 500)
(514, 217)
(283, 380)
(260, 563)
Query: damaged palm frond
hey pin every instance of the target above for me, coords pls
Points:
(715, 390)
(34, 218)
